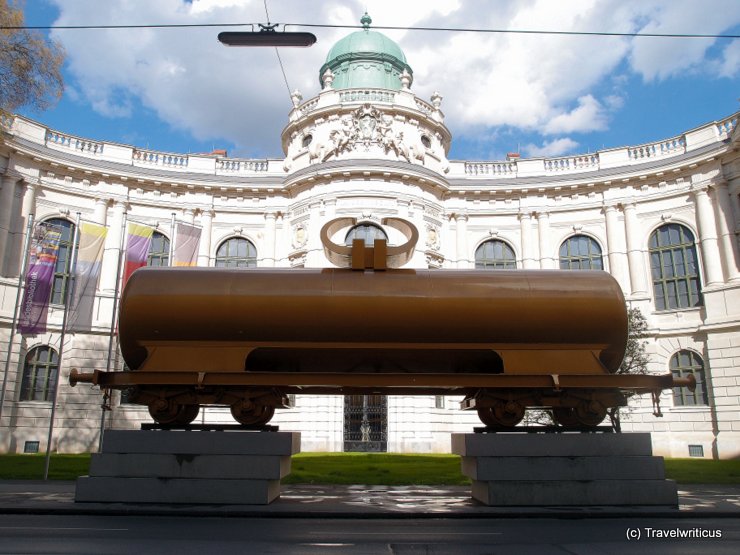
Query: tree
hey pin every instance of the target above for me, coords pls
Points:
(635, 356)
(30, 65)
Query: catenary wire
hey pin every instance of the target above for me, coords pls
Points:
(277, 53)
(384, 27)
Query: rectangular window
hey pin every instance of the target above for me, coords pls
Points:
(31, 447)
(696, 451)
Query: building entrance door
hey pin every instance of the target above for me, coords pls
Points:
(366, 423)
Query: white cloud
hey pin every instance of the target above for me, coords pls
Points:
(556, 147)
(547, 84)
(589, 115)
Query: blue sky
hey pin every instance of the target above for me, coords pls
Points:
(181, 91)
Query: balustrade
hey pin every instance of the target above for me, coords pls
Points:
(490, 168)
(163, 159)
(6, 121)
(309, 105)
(235, 165)
(370, 95)
(572, 163)
(71, 142)
(725, 127)
(668, 147)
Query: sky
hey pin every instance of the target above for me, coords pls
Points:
(180, 90)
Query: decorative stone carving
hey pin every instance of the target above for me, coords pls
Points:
(296, 97)
(432, 239)
(405, 80)
(300, 237)
(327, 78)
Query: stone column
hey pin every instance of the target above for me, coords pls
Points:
(204, 251)
(525, 227)
(189, 216)
(707, 236)
(547, 261)
(280, 241)
(615, 247)
(112, 253)
(15, 240)
(726, 228)
(315, 256)
(100, 216)
(634, 252)
(268, 257)
(7, 198)
(461, 240)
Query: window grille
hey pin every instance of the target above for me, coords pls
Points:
(581, 252)
(674, 268)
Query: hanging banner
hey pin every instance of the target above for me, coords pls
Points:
(187, 242)
(138, 242)
(87, 271)
(39, 279)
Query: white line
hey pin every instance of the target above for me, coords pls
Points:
(48, 528)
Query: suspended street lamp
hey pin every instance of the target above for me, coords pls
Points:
(266, 36)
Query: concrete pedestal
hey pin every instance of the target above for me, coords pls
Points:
(177, 466)
(513, 469)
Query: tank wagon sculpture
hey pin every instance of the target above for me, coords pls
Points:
(506, 340)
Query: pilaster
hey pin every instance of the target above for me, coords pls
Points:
(525, 229)
(615, 246)
(547, 261)
(112, 254)
(726, 229)
(634, 252)
(204, 251)
(707, 235)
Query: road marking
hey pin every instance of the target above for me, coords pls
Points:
(61, 528)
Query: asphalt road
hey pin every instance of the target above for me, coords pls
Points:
(102, 534)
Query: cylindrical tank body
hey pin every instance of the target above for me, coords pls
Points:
(336, 307)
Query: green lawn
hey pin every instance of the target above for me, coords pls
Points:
(390, 469)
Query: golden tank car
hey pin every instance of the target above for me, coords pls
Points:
(506, 340)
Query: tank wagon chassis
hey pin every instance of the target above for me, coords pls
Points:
(500, 400)
(506, 340)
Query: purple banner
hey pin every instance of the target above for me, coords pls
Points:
(39, 279)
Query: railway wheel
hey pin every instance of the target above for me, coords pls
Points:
(252, 414)
(503, 414)
(186, 414)
(565, 416)
(590, 413)
(164, 411)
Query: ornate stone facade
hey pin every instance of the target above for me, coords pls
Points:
(372, 153)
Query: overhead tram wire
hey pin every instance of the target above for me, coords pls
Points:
(383, 27)
(277, 53)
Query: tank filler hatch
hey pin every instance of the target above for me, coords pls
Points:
(358, 256)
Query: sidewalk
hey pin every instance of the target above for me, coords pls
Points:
(317, 501)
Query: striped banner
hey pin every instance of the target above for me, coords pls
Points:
(137, 248)
(39, 279)
(187, 242)
(87, 272)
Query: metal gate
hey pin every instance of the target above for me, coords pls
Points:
(366, 423)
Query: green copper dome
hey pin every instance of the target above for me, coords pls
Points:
(365, 59)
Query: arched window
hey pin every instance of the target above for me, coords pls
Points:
(495, 255)
(366, 231)
(159, 250)
(580, 252)
(236, 252)
(683, 364)
(60, 288)
(39, 374)
(674, 268)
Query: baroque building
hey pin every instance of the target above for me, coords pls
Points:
(662, 218)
